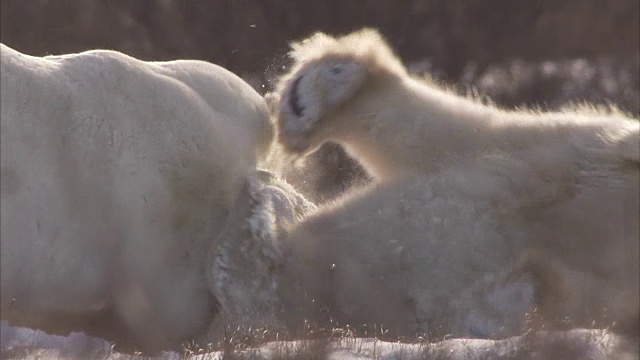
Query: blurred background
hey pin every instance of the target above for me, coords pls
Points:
(543, 53)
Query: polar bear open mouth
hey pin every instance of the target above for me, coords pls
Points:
(294, 98)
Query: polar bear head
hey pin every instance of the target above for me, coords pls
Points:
(244, 271)
(327, 73)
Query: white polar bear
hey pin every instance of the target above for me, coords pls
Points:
(466, 189)
(117, 175)
(440, 255)
(355, 91)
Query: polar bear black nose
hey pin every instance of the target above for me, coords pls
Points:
(294, 98)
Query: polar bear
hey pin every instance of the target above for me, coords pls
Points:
(355, 91)
(117, 175)
(466, 189)
(467, 251)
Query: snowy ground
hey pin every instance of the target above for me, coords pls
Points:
(23, 343)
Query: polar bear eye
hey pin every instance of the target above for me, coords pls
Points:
(336, 70)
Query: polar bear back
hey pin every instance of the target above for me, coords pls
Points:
(112, 166)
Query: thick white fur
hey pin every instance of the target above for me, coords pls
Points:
(246, 268)
(467, 251)
(117, 175)
(355, 91)
(467, 189)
